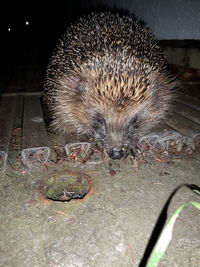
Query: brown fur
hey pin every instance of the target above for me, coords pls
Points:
(108, 77)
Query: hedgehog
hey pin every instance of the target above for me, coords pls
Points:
(108, 78)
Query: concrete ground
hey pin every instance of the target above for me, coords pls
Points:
(111, 226)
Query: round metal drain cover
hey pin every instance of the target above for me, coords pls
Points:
(66, 186)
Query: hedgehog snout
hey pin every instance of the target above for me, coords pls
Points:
(116, 153)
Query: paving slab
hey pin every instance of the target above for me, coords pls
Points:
(110, 227)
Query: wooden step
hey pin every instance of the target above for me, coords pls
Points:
(7, 109)
(187, 111)
(184, 125)
(34, 140)
(189, 101)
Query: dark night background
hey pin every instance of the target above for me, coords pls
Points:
(32, 44)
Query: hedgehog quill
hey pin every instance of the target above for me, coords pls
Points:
(108, 78)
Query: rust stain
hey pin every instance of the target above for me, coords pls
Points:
(44, 200)
(90, 193)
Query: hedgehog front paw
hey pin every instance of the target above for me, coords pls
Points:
(133, 150)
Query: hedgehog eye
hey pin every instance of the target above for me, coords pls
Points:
(99, 122)
(133, 120)
(99, 119)
(99, 126)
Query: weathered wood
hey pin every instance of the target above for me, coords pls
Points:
(18, 115)
(191, 88)
(7, 109)
(189, 101)
(187, 111)
(6, 72)
(33, 78)
(183, 125)
(34, 141)
(16, 81)
(23, 94)
(26, 78)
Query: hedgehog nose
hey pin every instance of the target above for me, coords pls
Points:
(116, 153)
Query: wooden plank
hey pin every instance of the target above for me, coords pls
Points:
(18, 115)
(7, 108)
(26, 78)
(187, 111)
(17, 80)
(183, 125)
(189, 101)
(6, 72)
(191, 88)
(23, 94)
(34, 140)
(34, 78)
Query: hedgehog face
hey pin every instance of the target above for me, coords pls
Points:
(118, 140)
